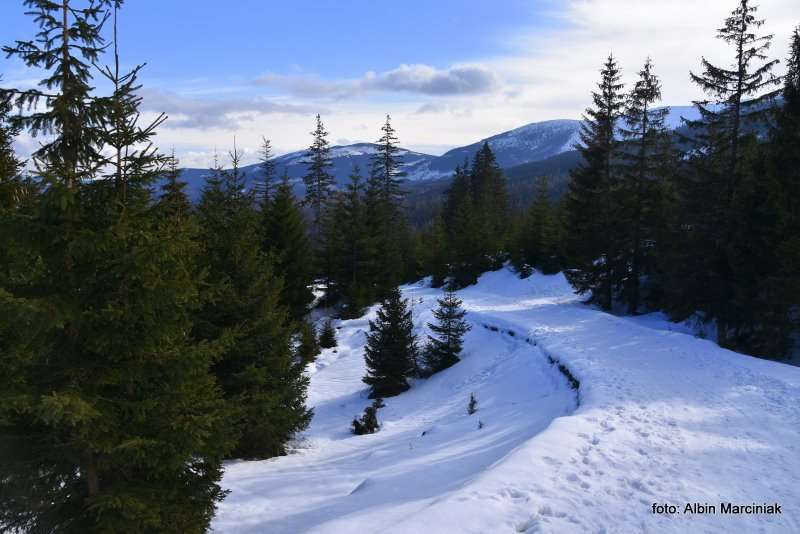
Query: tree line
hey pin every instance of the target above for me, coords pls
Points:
(703, 223)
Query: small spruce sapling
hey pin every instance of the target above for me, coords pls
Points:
(444, 347)
(472, 407)
(327, 336)
(368, 424)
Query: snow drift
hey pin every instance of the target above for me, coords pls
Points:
(660, 417)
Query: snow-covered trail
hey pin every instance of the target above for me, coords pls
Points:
(664, 417)
(381, 479)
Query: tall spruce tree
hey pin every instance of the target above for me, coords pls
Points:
(712, 270)
(475, 216)
(109, 417)
(460, 225)
(390, 353)
(592, 225)
(779, 289)
(646, 157)
(444, 347)
(174, 202)
(353, 250)
(70, 114)
(387, 222)
(488, 188)
(318, 180)
(262, 382)
(267, 164)
(286, 239)
(538, 240)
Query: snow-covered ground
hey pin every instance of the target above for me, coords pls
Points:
(660, 417)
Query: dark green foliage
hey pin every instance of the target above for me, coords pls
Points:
(15, 191)
(368, 424)
(109, 418)
(432, 253)
(264, 185)
(475, 217)
(777, 296)
(591, 212)
(390, 353)
(444, 347)
(712, 269)
(119, 391)
(538, 236)
(68, 44)
(285, 238)
(388, 232)
(258, 373)
(646, 162)
(472, 407)
(351, 249)
(308, 347)
(318, 180)
(327, 336)
(174, 202)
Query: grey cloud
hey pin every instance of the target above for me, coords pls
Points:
(199, 113)
(429, 81)
(420, 79)
(431, 108)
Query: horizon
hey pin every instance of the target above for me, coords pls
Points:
(472, 71)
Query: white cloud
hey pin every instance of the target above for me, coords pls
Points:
(227, 114)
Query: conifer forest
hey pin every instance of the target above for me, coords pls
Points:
(584, 324)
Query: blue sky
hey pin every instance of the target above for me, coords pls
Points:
(232, 41)
(449, 72)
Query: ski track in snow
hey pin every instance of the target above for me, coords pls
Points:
(663, 417)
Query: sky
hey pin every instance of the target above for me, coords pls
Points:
(449, 72)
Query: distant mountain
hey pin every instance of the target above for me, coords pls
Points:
(532, 142)
(344, 158)
(516, 151)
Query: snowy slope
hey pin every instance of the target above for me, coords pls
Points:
(662, 417)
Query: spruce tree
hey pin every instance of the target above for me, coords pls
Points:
(383, 204)
(109, 417)
(590, 205)
(308, 345)
(475, 216)
(267, 164)
(646, 155)
(287, 241)
(391, 348)
(444, 347)
(490, 205)
(318, 180)
(174, 202)
(262, 383)
(712, 263)
(538, 240)
(327, 336)
(460, 225)
(353, 250)
(71, 115)
(779, 288)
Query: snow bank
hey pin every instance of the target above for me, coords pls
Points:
(663, 418)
